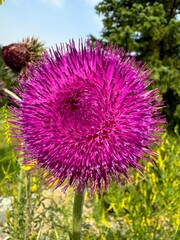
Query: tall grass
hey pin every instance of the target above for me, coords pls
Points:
(8, 161)
(150, 208)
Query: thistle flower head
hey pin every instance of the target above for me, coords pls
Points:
(86, 115)
(17, 55)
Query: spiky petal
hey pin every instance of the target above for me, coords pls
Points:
(87, 116)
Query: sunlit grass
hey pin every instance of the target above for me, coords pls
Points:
(8, 162)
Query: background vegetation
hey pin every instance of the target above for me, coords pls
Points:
(150, 30)
(149, 208)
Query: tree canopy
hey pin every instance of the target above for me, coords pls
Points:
(151, 31)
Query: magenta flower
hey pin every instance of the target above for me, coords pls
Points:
(86, 116)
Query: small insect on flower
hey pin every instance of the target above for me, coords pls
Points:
(86, 115)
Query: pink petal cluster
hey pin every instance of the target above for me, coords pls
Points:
(87, 116)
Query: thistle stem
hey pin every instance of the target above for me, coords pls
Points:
(13, 95)
(19, 210)
(77, 215)
(28, 204)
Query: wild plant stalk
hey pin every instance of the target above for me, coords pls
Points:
(20, 197)
(77, 215)
(28, 204)
(19, 210)
(23, 208)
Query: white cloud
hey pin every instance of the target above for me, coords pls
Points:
(55, 3)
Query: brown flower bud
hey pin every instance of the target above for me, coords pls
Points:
(15, 56)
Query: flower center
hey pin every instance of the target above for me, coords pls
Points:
(73, 104)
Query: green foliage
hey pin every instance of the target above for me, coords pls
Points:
(38, 213)
(149, 209)
(8, 162)
(1, 1)
(151, 30)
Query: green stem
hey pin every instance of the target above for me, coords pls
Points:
(77, 215)
(19, 200)
(20, 185)
(28, 204)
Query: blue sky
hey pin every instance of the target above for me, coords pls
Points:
(52, 21)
